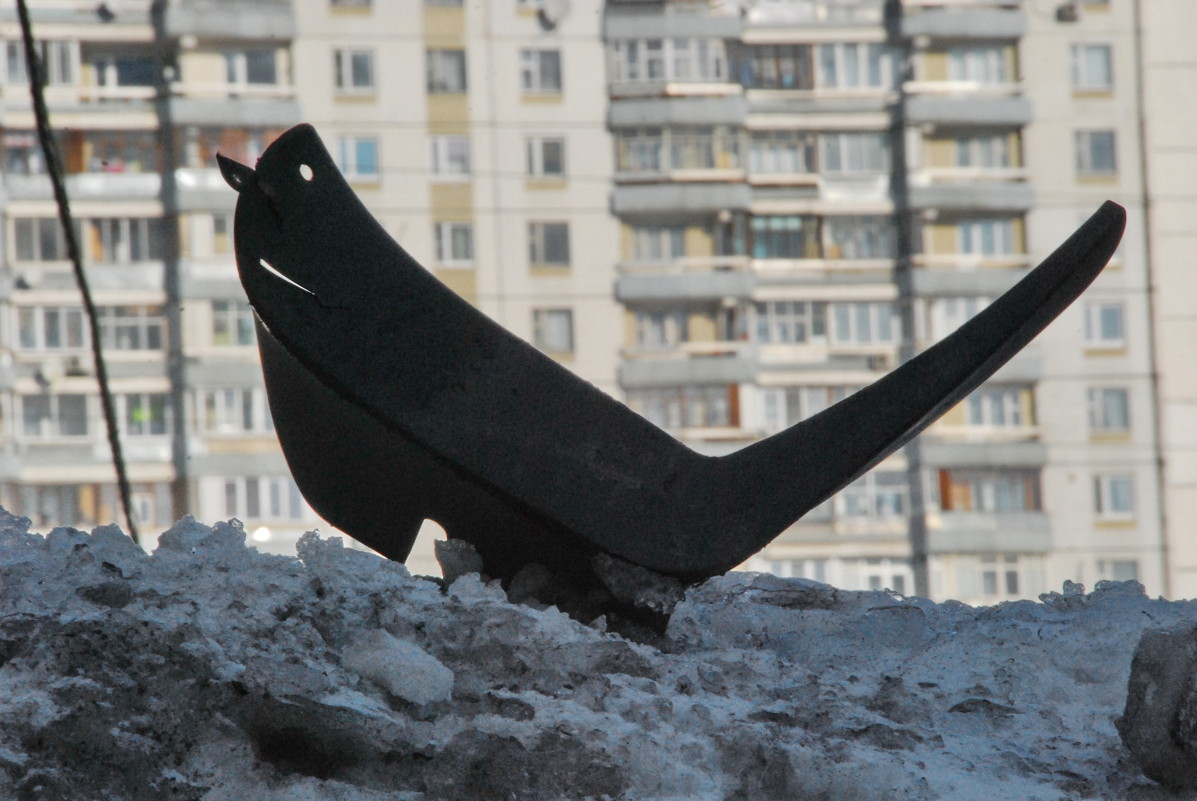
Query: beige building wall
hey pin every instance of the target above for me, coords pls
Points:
(1169, 108)
(1092, 543)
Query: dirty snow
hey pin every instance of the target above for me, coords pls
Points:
(210, 671)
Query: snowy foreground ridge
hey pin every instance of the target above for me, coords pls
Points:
(210, 671)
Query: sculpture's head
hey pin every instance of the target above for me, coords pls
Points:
(295, 194)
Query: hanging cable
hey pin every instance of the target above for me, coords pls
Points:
(54, 170)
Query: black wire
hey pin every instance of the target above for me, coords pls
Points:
(54, 170)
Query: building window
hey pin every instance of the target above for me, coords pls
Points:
(222, 234)
(639, 150)
(353, 71)
(784, 322)
(232, 323)
(131, 327)
(1092, 67)
(51, 328)
(46, 415)
(656, 245)
(250, 67)
(853, 153)
(988, 151)
(540, 72)
(854, 66)
(785, 406)
(1104, 325)
(948, 314)
(676, 59)
(263, 498)
(553, 330)
(357, 157)
(986, 237)
(1095, 153)
(58, 59)
(704, 148)
(982, 64)
(998, 407)
(995, 491)
(545, 156)
(1109, 410)
(877, 495)
(1118, 570)
(39, 239)
(548, 244)
(144, 414)
(450, 157)
(1114, 496)
(446, 72)
(121, 151)
(999, 576)
(455, 243)
(674, 408)
(775, 67)
(120, 240)
(864, 323)
(113, 71)
(661, 329)
(232, 411)
(782, 152)
(858, 237)
(784, 237)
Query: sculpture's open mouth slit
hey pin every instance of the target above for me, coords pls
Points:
(271, 269)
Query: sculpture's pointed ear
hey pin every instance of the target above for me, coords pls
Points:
(236, 175)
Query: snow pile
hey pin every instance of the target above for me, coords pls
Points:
(210, 671)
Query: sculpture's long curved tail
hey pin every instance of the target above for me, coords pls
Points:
(808, 462)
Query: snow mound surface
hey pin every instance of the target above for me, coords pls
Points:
(210, 671)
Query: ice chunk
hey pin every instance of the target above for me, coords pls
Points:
(402, 668)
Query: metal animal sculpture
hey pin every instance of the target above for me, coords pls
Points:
(395, 400)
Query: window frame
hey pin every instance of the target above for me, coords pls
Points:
(446, 71)
(443, 155)
(349, 157)
(60, 60)
(51, 425)
(1084, 77)
(541, 241)
(345, 78)
(144, 325)
(237, 317)
(1088, 153)
(535, 159)
(1095, 324)
(1107, 419)
(971, 236)
(1110, 503)
(230, 411)
(863, 323)
(446, 243)
(547, 340)
(538, 74)
(128, 405)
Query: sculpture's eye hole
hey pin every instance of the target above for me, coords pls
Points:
(305, 172)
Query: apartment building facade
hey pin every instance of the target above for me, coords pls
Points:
(796, 195)
(472, 135)
(811, 192)
(141, 99)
